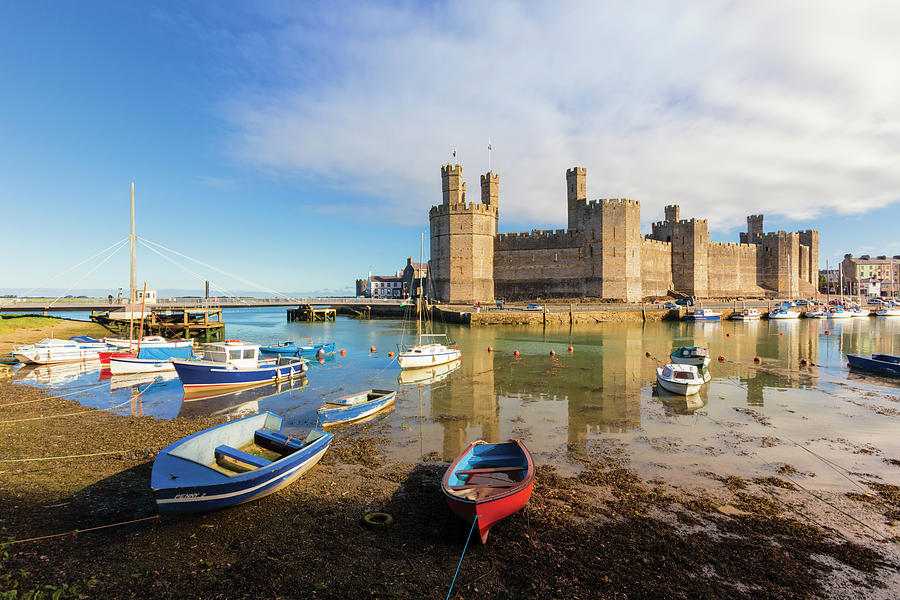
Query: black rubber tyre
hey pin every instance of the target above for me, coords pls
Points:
(378, 520)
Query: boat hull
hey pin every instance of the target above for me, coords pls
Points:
(124, 365)
(54, 358)
(412, 361)
(888, 312)
(701, 362)
(197, 375)
(337, 415)
(873, 365)
(680, 388)
(784, 315)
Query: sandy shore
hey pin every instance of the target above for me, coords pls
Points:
(604, 533)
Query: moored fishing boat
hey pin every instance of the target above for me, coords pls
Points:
(680, 379)
(491, 481)
(783, 313)
(690, 355)
(883, 364)
(236, 364)
(355, 406)
(232, 463)
(857, 312)
(149, 360)
(292, 349)
(53, 351)
(746, 314)
(702, 314)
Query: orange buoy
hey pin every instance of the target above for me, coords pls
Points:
(804, 362)
(781, 333)
(490, 349)
(827, 332)
(721, 358)
(757, 359)
(343, 352)
(553, 353)
(515, 353)
(372, 349)
(727, 335)
(321, 360)
(390, 355)
(571, 349)
(321, 352)
(647, 354)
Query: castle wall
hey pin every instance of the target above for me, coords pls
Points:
(656, 267)
(539, 264)
(732, 270)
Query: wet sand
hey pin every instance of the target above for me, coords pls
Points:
(606, 532)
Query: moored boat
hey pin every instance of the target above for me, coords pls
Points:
(292, 349)
(232, 463)
(491, 481)
(154, 359)
(816, 312)
(857, 312)
(53, 351)
(783, 313)
(355, 406)
(839, 313)
(702, 314)
(883, 364)
(690, 355)
(888, 311)
(680, 379)
(236, 364)
(746, 314)
(148, 341)
(429, 354)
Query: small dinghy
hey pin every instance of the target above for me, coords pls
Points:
(690, 355)
(883, 364)
(683, 380)
(489, 480)
(292, 349)
(232, 463)
(356, 406)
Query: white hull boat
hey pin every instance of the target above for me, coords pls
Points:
(816, 313)
(51, 351)
(691, 355)
(683, 380)
(150, 341)
(839, 314)
(126, 365)
(427, 355)
(782, 313)
(888, 312)
(747, 314)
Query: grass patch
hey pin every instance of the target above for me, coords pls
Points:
(11, 323)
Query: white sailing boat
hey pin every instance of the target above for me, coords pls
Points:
(431, 349)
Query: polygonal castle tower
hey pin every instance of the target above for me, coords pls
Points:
(462, 239)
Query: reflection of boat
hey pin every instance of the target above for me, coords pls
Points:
(883, 364)
(680, 379)
(747, 314)
(235, 364)
(428, 375)
(292, 349)
(355, 406)
(491, 481)
(783, 313)
(119, 382)
(690, 355)
(232, 463)
(682, 405)
(216, 402)
(57, 373)
(54, 351)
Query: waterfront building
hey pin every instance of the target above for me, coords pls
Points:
(860, 271)
(385, 286)
(602, 254)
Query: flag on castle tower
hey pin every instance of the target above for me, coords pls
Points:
(489, 146)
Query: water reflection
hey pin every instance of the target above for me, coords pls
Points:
(239, 403)
(428, 375)
(56, 375)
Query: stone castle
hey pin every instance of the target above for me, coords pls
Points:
(602, 254)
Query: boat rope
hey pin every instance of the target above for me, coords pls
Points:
(12, 460)
(223, 272)
(76, 531)
(811, 493)
(79, 391)
(75, 266)
(97, 266)
(475, 520)
(82, 412)
(374, 377)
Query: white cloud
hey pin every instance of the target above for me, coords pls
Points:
(791, 109)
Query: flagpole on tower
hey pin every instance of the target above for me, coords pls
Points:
(490, 170)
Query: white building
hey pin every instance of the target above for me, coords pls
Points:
(382, 286)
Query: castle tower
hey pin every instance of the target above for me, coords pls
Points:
(690, 257)
(612, 248)
(490, 191)
(576, 191)
(673, 213)
(810, 239)
(754, 233)
(462, 241)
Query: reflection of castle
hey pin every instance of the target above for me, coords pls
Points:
(602, 253)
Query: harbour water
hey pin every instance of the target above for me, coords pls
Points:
(754, 419)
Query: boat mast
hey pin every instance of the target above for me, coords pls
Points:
(421, 290)
(132, 238)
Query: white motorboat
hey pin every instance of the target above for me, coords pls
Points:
(888, 311)
(839, 313)
(857, 312)
(702, 314)
(52, 350)
(784, 313)
(746, 314)
(691, 355)
(816, 313)
(683, 380)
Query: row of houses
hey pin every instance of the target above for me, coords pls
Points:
(404, 284)
(869, 276)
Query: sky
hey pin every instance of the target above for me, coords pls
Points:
(297, 146)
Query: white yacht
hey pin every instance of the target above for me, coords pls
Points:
(52, 350)
(430, 353)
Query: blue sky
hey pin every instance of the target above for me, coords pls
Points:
(298, 145)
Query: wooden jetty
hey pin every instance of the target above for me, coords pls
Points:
(203, 324)
(306, 312)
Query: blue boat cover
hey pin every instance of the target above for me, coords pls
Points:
(84, 339)
(163, 353)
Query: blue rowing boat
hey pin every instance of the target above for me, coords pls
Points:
(292, 349)
(232, 463)
(355, 406)
(883, 364)
(234, 364)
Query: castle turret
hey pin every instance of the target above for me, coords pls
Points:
(754, 233)
(462, 240)
(490, 191)
(576, 191)
(673, 213)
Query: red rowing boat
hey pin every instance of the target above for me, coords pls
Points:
(105, 356)
(489, 480)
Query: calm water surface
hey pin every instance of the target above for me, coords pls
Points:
(748, 421)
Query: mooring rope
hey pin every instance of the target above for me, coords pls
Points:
(82, 412)
(11, 460)
(76, 531)
(462, 556)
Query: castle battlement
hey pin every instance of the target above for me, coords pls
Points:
(692, 222)
(537, 239)
(658, 243)
(576, 171)
(459, 208)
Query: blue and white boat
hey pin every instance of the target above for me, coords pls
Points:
(153, 359)
(232, 463)
(234, 364)
(690, 355)
(883, 364)
(292, 349)
(702, 314)
(783, 313)
(355, 406)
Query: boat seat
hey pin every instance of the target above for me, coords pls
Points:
(489, 470)
(241, 456)
(279, 439)
(472, 486)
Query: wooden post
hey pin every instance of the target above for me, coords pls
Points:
(571, 317)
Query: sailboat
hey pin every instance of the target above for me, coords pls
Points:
(431, 349)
